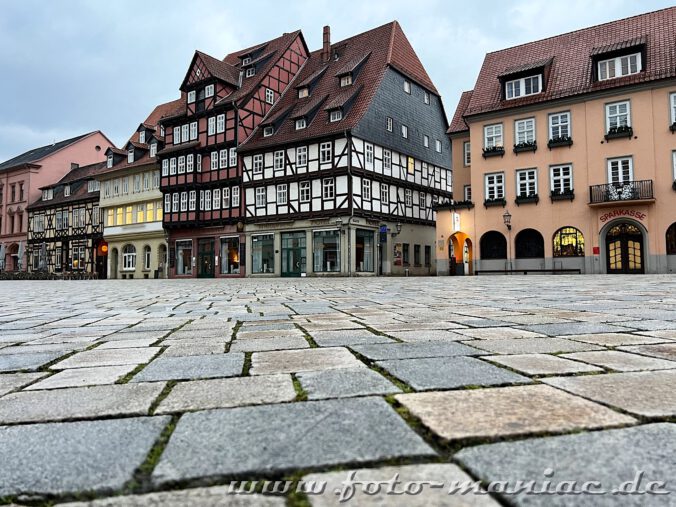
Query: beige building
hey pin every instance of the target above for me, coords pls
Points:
(564, 156)
(131, 203)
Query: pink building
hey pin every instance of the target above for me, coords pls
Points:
(22, 177)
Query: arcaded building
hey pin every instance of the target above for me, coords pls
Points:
(564, 155)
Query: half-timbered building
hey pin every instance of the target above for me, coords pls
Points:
(224, 101)
(131, 201)
(343, 174)
(65, 227)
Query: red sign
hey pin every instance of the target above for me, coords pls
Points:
(597, 250)
(631, 213)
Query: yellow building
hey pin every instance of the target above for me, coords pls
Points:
(564, 156)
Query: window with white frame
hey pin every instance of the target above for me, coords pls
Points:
(251, 71)
(526, 183)
(328, 188)
(185, 132)
(146, 257)
(493, 136)
(618, 114)
(390, 124)
(426, 141)
(260, 197)
(422, 201)
(156, 179)
(207, 200)
(366, 189)
(223, 158)
(190, 163)
(214, 160)
(268, 131)
(184, 201)
(279, 160)
(387, 159)
(192, 200)
(619, 66)
(561, 177)
(177, 135)
(467, 192)
(153, 149)
(304, 191)
(146, 181)
(620, 170)
(116, 189)
(495, 186)
(301, 156)
(301, 123)
(467, 154)
(426, 97)
(226, 198)
(672, 98)
(109, 162)
(559, 125)
(137, 183)
(404, 131)
(129, 257)
(336, 115)
(408, 197)
(232, 161)
(438, 146)
(193, 131)
(181, 164)
(524, 131)
(246, 60)
(384, 194)
(303, 92)
(282, 194)
(66, 191)
(209, 91)
(673, 163)
(165, 167)
(167, 203)
(125, 185)
(346, 80)
(216, 199)
(235, 197)
(325, 152)
(172, 166)
(369, 155)
(211, 128)
(198, 163)
(130, 156)
(523, 87)
(191, 96)
(257, 164)
(220, 123)
(269, 96)
(407, 86)
(174, 202)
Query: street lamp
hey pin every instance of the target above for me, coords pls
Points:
(507, 219)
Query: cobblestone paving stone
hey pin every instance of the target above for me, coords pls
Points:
(318, 378)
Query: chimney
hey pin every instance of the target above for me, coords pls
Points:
(326, 48)
(73, 165)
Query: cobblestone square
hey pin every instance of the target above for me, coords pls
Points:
(172, 397)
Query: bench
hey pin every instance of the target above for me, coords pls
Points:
(526, 271)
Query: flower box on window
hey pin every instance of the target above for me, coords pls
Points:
(619, 132)
(556, 142)
(673, 185)
(672, 127)
(565, 195)
(525, 146)
(527, 199)
(494, 151)
(488, 203)
(460, 205)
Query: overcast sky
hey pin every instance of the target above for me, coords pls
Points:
(72, 66)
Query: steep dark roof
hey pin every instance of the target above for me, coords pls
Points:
(162, 111)
(458, 123)
(571, 70)
(77, 179)
(36, 154)
(374, 51)
(220, 69)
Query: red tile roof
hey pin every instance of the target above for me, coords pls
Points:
(458, 123)
(570, 72)
(385, 46)
(163, 110)
(77, 180)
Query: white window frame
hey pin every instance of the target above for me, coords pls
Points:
(493, 136)
(528, 179)
(66, 191)
(494, 186)
(191, 96)
(384, 194)
(407, 86)
(516, 88)
(366, 189)
(177, 135)
(558, 122)
(438, 146)
(563, 180)
(672, 104)
(467, 153)
(226, 198)
(251, 71)
(258, 164)
(282, 194)
(167, 203)
(335, 115)
(467, 192)
(426, 141)
(232, 157)
(620, 171)
(368, 155)
(301, 156)
(223, 158)
(426, 97)
(268, 131)
(174, 202)
(192, 200)
(346, 80)
(408, 197)
(673, 163)
(109, 162)
(211, 126)
(261, 200)
(130, 156)
(165, 167)
(172, 166)
(235, 197)
(153, 149)
(128, 258)
(404, 131)
(387, 159)
(303, 92)
(193, 130)
(617, 115)
(325, 152)
(390, 124)
(207, 200)
(304, 191)
(301, 123)
(220, 123)
(190, 163)
(181, 164)
(185, 132)
(328, 188)
(605, 67)
(269, 96)
(198, 163)
(213, 162)
(524, 131)
(209, 91)
(216, 199)
(184, 201)
(278, 160)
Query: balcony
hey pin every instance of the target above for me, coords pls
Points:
(630, 192)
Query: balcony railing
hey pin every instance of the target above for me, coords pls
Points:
(619, 192)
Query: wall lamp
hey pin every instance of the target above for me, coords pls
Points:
(507, 219)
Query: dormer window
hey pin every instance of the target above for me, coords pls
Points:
(161, 130)
(209, 91)
(109, 163)
(48, 195)
(346, 80)
(130, 156)
(153, 149)
(336, 115)
(619, 66)
(301, 124)
(191, 96)
(246, 61)
(407, 86)
(303, 92)
(269, 96)
(251, 71)
(142, 137)
(523, 87)
(66, 191)
(93, 186)
(268, 131)
(426, 98)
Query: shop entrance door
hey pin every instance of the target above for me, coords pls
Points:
(624, 250)
(293, 253)
(205, 258)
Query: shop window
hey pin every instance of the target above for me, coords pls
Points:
(230, 256)
(671, 239)
(263, 253)
(529, 244)
(364, 250)
(493, 245)
(326, 251)
(568, 242)
(184, 257)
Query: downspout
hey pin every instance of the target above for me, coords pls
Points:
(348, 136)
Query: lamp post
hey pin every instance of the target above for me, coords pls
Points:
(507, 219)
